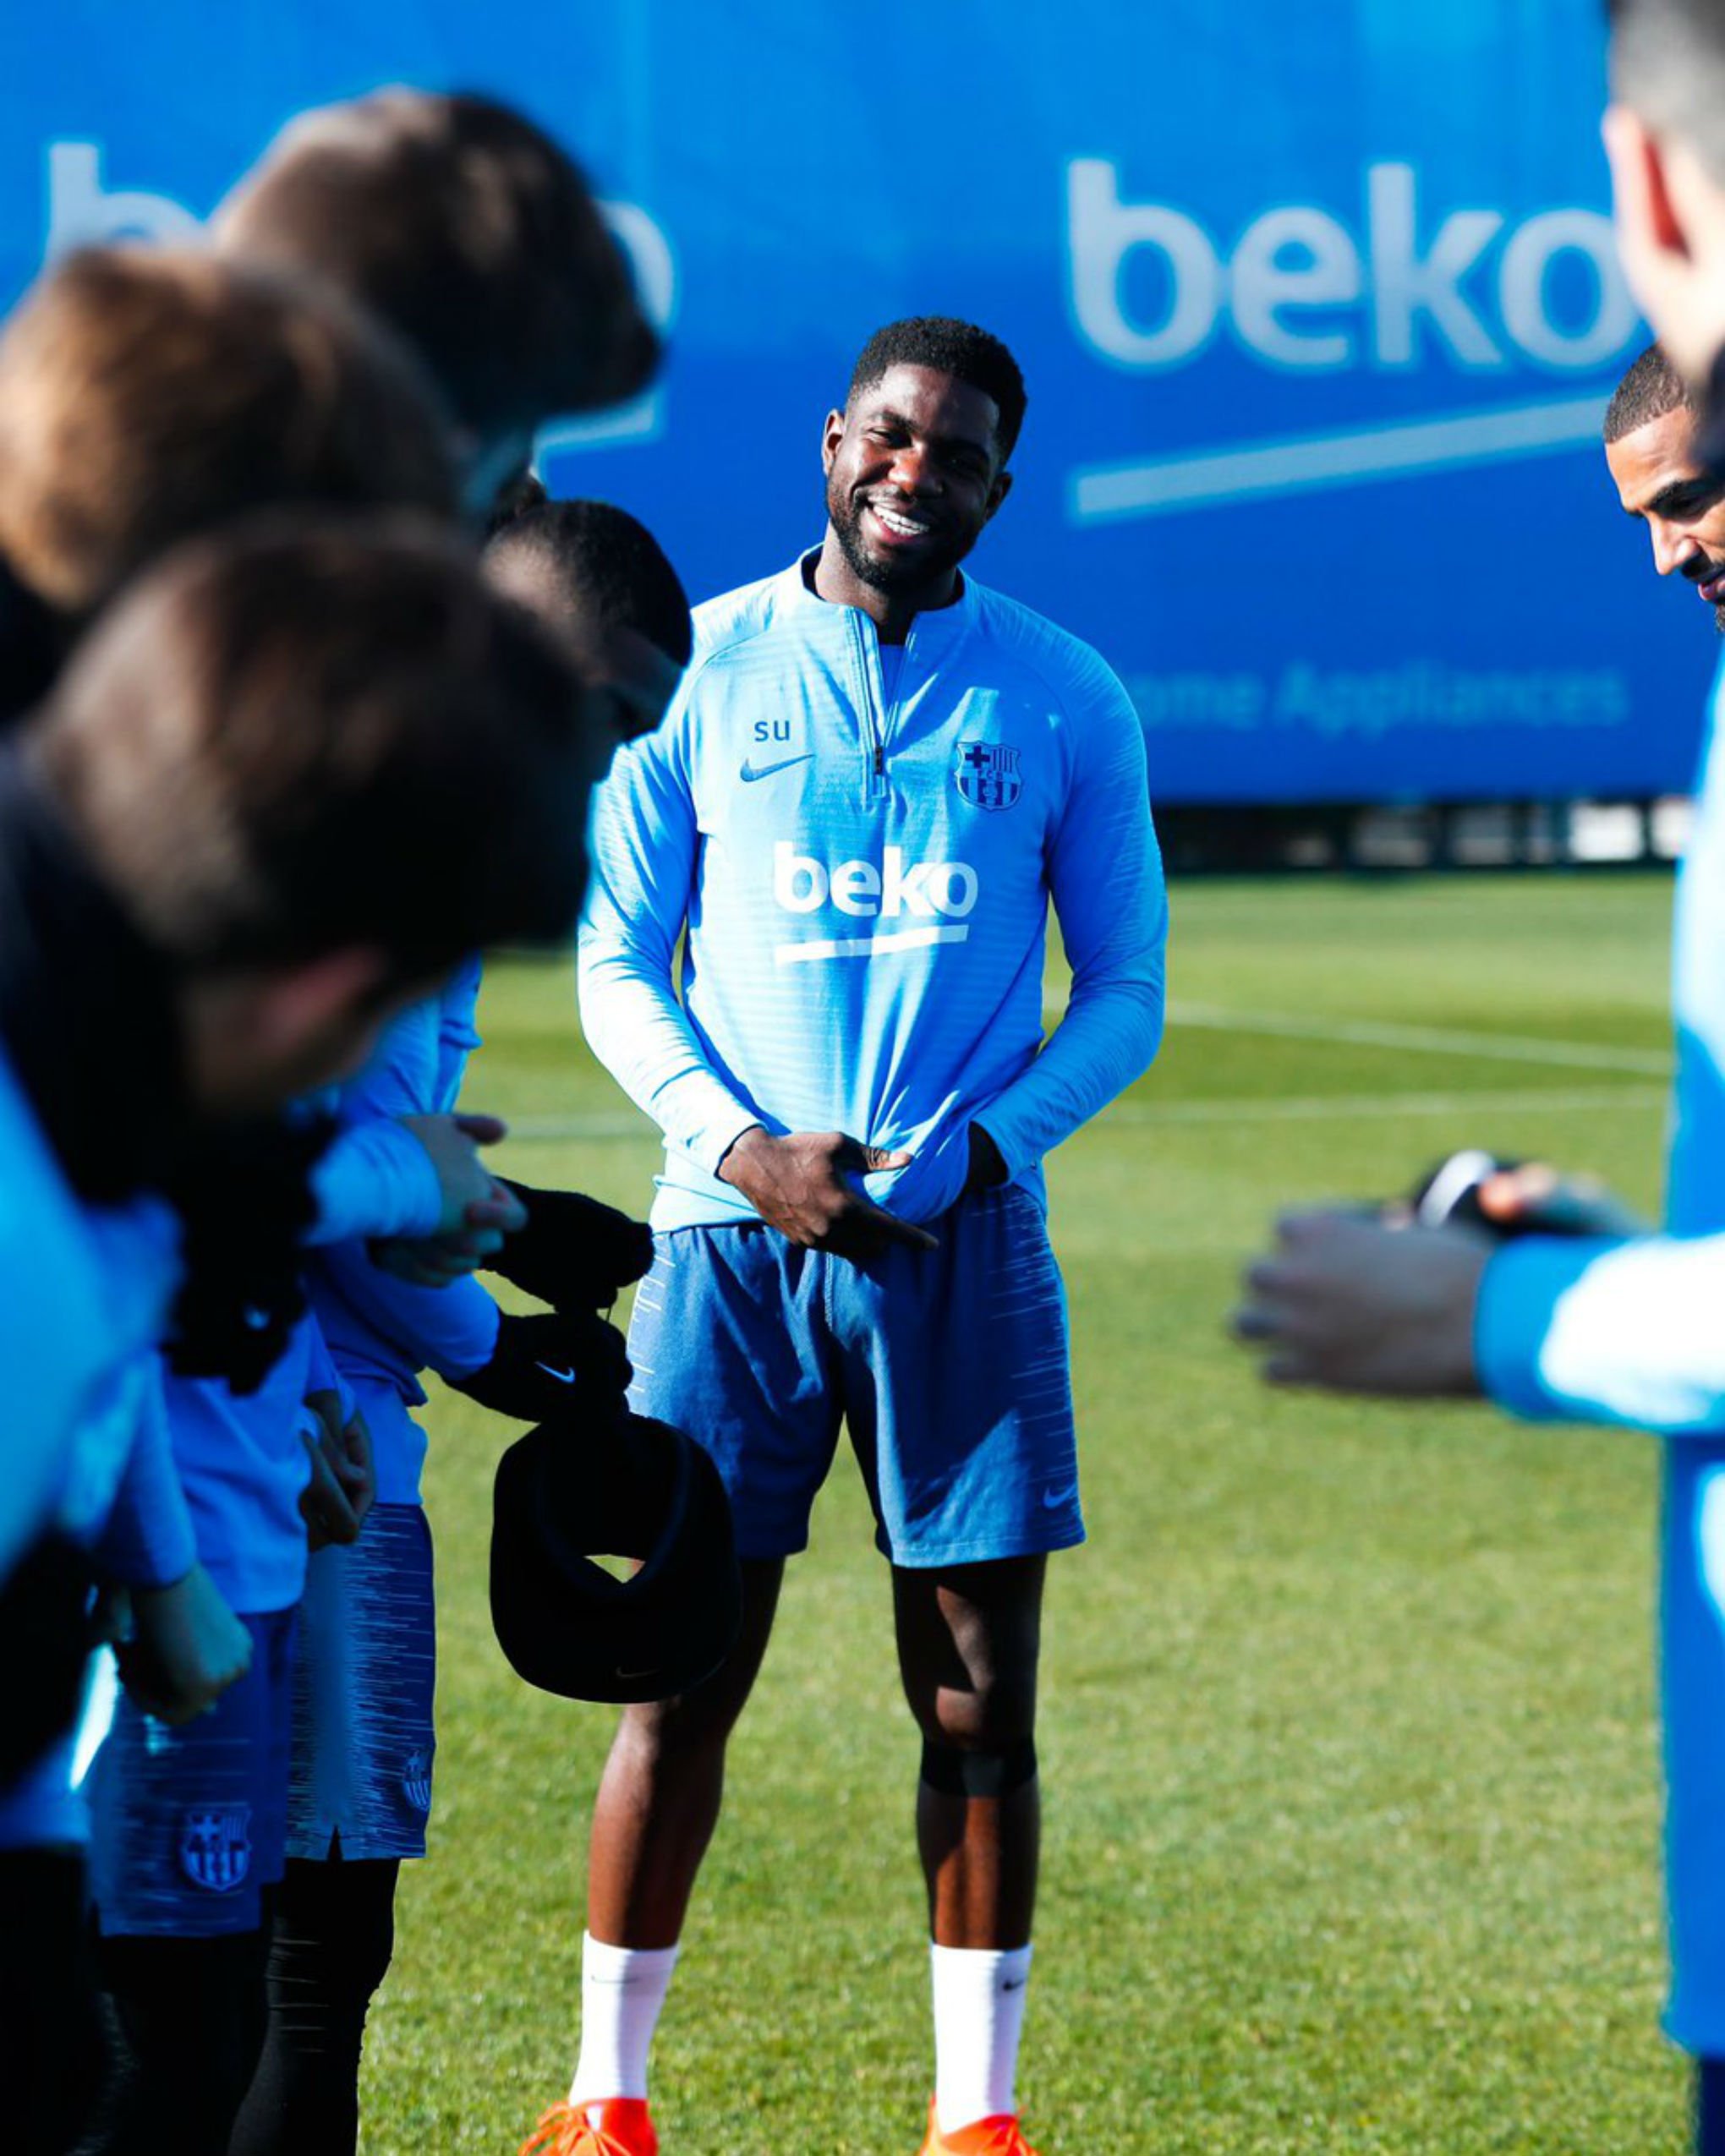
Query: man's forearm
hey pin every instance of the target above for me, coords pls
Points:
(1107, 1038)
(1624, 1331)
(640, 1032)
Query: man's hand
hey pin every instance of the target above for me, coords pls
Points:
(1350, 1305)
(477, 1210)
(1670, 221)
(468, 1185)
(799, 1184)
(343, 1484)
(187, 1647)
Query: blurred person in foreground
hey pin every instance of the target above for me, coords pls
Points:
(183, 822)
(472, 233)
(876, 777)
(364, 1746)
(145, 396)
(1603, 1326)
(446, 707)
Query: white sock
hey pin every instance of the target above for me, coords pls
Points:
(978, 2017)
(622, 1990)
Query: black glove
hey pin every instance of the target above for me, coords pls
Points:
(574, 1253)
(554, 1366)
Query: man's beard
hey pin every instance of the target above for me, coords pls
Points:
(886, 573)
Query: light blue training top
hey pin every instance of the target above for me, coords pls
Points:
(863, 884)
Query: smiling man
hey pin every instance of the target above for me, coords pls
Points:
(1650, 447)
(876, 779)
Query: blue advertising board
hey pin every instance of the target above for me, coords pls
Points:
(1317, 307)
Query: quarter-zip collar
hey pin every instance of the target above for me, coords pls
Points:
(935, 631)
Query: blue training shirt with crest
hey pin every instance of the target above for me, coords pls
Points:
(860, 878)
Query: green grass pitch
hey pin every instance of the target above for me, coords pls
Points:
(1351, 1767)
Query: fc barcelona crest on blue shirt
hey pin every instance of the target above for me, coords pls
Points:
(214, 1850)
(987, 773)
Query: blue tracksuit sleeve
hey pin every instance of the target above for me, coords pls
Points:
(645, 844)
(452, 1330)
(376, 1178)
(148, 1540)
(1105, 881)
(1606, 1332)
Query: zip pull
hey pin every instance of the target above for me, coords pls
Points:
(879, 758)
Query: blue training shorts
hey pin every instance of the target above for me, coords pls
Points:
(188, 1825)
(950, 1368)
(363, 1739)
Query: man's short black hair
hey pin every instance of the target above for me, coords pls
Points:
(953, 347)
(602, 562)
(1652, 388)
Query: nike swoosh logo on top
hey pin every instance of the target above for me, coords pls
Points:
(1053, 1499)
(750, 772)
(562, 1377)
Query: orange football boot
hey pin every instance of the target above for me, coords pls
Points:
(1000, 2135)
(619, 2126)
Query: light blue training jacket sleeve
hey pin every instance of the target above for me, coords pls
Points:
(377, 1324)
(1631, 1333)
(452, 1330)
(375, 1179)
(645, 844)
(1105, 881)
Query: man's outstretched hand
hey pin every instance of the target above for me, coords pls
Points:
(800, 1185)
(1350, 1304)
(479, 1211)
(186, 1648)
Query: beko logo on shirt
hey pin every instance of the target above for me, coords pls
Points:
(937, 895)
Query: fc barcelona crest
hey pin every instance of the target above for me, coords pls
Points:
(986, 773)
(416, 1782)
(214, 1850)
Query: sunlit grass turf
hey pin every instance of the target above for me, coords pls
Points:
(1351, 1767)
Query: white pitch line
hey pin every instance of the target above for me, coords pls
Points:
(1424, 1040)
(542, 1130)
(1345, 1108)
(1311, 1108)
